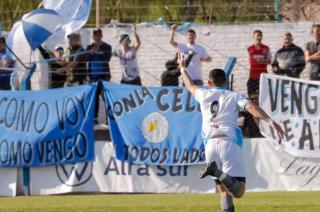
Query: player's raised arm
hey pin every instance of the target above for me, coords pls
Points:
(185, 76)
(259, 113)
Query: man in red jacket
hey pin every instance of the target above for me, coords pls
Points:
(259, 58)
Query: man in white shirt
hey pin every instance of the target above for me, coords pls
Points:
(199, 54)
(219, 108)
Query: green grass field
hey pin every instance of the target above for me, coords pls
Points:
(252, 202)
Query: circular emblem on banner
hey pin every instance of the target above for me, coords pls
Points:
(74, 175)
(155, 128)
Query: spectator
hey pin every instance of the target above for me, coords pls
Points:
(312, 53)
(5, 62)
(289, 60)
(259, 58)
(57, 79)
(99, 58)
(75, 67)
(199, 52)
(250, 127)
(128, 59)
(171, 76)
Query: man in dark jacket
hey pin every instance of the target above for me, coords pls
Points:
(99, 58)
(289, 60)
(171, 76)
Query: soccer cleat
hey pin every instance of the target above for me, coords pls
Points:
(210, 169)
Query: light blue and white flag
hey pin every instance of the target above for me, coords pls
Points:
(74, 13)
(32, 30)
(156, 126)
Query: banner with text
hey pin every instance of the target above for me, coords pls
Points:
(107, 174)
(266, 170)
(159, 126)
(40, 128)
(294, 104)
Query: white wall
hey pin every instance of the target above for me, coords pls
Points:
(221, 41)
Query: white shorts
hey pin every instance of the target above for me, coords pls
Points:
(227, 155)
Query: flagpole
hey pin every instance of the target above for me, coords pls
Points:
(98, 13)
(16, 57)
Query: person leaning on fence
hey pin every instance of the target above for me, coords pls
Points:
(312, 53)
(76, 67)
(200, 54)
(128, 59)
(98, 58)
(289, 60)
(171, 76)
(5, 62)
(57, 79)
(259, 58)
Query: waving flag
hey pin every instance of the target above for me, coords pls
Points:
(32, 30)
(74, 13)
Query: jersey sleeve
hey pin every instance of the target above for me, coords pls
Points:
(242, 101)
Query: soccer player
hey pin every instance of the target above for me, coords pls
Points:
(223, 151)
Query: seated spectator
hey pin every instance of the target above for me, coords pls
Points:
(57, 79)
(250, 127)
(128, 59)
(259, 58)
(171, 76)
(76, 67)
(289, 60)
(312, 53)
(5, 62)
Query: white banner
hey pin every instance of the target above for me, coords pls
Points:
(267, 169)
(8, 181)
(294, 104)
(107, 174)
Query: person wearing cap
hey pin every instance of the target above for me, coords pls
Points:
(98, 58)
(289, 60)
(127, 55)
(5, 62)
(76, 67)
(57, 79)
(312, 53)
(199, 53)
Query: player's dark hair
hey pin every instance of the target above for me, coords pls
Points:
(191, 31)
(218, 77)
(257, 31)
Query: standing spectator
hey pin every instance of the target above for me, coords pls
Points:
(289, 60)
(57, 79)
(199, 54)
(312, 53)
(259, 58)
(5, 62)
(128, 59)
(76, 64)
(99, 58)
